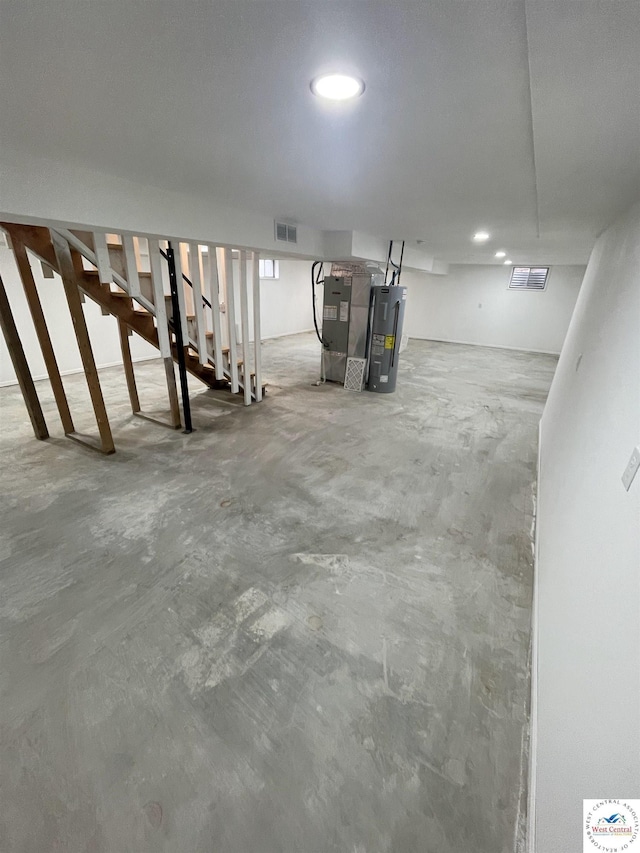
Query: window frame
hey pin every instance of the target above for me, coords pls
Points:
(275, 269)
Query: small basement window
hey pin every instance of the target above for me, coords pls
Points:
(268, 268)
(529, 278)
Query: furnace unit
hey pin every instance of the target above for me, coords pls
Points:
(345, 317)
(362, 319)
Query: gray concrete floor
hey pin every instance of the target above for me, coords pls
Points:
(302, 629)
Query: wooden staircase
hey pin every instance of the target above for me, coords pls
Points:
(127, 277)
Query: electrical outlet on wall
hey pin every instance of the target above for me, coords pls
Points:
(632, 468)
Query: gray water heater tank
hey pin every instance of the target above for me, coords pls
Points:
(386, 333)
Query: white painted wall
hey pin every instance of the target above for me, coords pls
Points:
(286, 303)
(586, 691)
(39, 190)
(42, 190)
(473, 304)
(102, 330)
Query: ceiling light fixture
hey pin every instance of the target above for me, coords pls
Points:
(501, 254)
(337, 87)
(481, 236)
(508, 262)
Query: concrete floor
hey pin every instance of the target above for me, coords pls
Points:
(302, 629)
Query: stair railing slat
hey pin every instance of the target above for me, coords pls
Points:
(155, 262)
(181, 295)
(257, 341)
(227, 272)
(244, 323)
(198, 306)
(214, 298)
(102, 257)
(131, 265)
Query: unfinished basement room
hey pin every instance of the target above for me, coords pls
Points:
(320, 426)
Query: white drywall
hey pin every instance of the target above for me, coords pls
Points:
(473, 304)
(103, 331)
(285, 303)
(38, 190)
(41, 190)
(586, 691)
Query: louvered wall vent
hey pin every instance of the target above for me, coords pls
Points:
(529, 278)
(286, 233)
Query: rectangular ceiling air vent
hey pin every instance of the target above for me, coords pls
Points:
(529, 278)
(286, 233)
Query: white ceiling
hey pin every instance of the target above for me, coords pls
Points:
(521, 118)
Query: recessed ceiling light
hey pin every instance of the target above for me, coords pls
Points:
(508, 262)
(481, 236)
(501, 254)
(337, 87)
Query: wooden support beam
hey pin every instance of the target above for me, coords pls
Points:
(128, 366)
(244, 325)
(40, 324)
(65, 265)
(257, 341)
(35, 237)
(23, 374)
(172, 388)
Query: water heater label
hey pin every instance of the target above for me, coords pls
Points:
(344, 312)
(377, 347)
(389, 341)
(330, 312)
(384, 379)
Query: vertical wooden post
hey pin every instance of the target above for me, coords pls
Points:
(182, 301)
(103, 261)
(131, 265)
(257, 341)
(164, 339)
(72, 291)
(23, 374)
(172, 389)
(128, 366)
(244, 324)
(231, 319)
(39, 322)
(214, 298)
(198, 307)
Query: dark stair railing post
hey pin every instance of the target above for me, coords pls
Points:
(177, 328)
